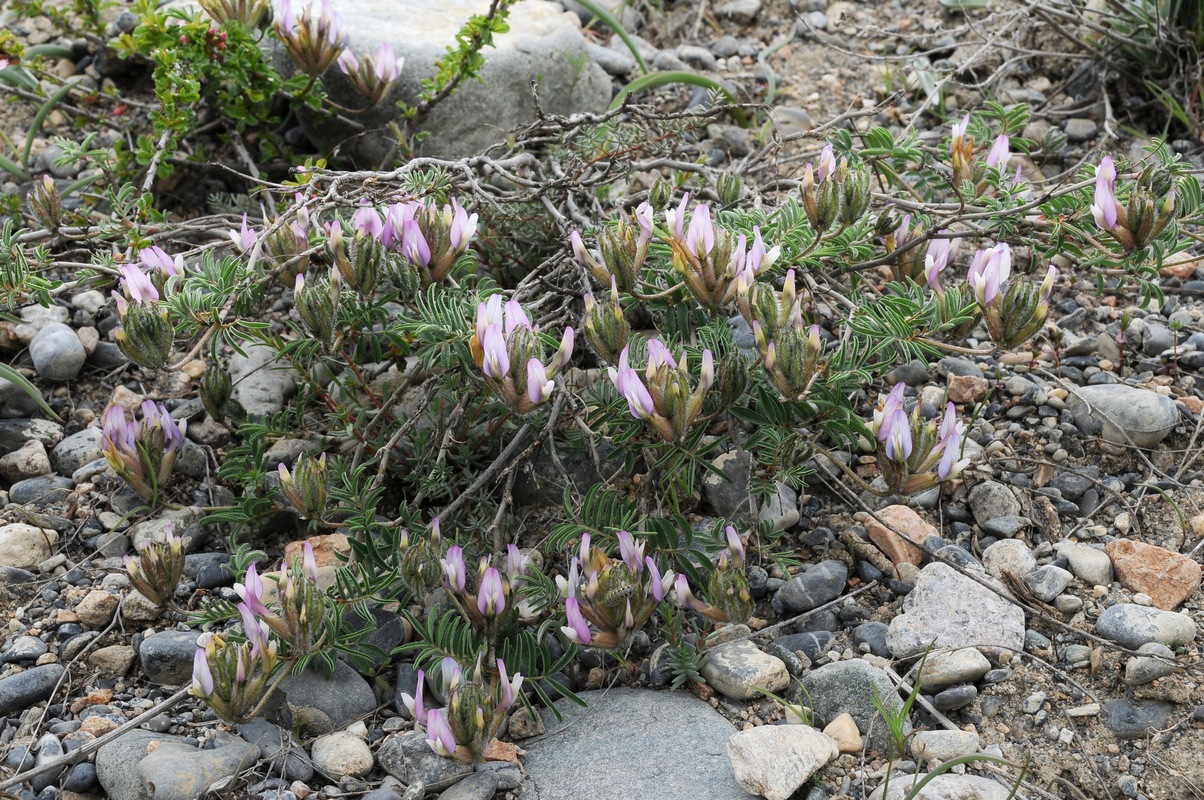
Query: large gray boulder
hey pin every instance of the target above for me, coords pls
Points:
(632, 743)
(544, 45)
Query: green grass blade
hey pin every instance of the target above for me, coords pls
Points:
(616, 26)
(43, 112)
(17, 379)
(654, 79)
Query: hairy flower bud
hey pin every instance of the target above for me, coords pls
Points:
(317, 305)
(45, 203)
(145, 335)
(157, 571)
(729, 187)
(305, 486)
(606, 327)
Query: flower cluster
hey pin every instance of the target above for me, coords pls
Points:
(233, 678)
(708, 258)
(492, 601)
(622, 249)
(663, 398)
(248, 13)
(909, 448)
(1015, 313)
(311, 35)
(508, 350)
(1150, 209)
(146, 334)
(617, 597)
(300, 620)
(142, 453)
(476, 707)
(727, 587)
(371, 76)
(160, 565)
(835, 193)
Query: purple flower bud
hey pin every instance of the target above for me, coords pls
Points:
(414, 704)
(675, 219)
(348, 63)
(251, 591)
(463, 228)
(388, 65)
(564, 353)
(451, 673)
(509, 687)
(455, 570)
(989, 271)
(515, 317)
(569, 586)
(959, 129)
(138, 285)
(309, 562)
(154, 258)
(735, 546)
(245, 237)
(625, 379)
(202, 678)
(488, 313)
(579, 252)
(414, 245)
(584, 552)
(539, 388)
(497, 357)
(707, 377)
(658, 356)
(827, 163)
(937, 259)
(491, 595)
(700, 238)
(439, 734)
(644, 218)
(367, 222)
(578, 629)
(1104, 207)
(1000, 154)
(686, 598)
(658, 584)
(631, 552)
(515, 561)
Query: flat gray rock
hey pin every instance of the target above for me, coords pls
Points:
(947, 609)
(1131, 625)
(1122, 413)
(34, 685)
(544, 45)
(260, 384)
(632, 743)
